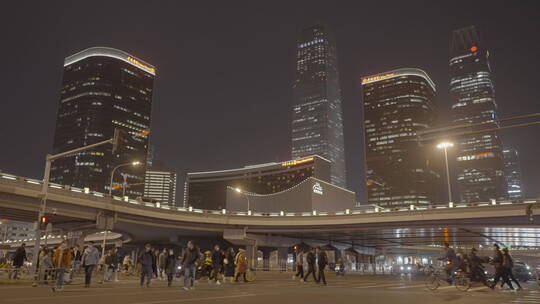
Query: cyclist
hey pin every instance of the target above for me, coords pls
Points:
(478, 273)
(449, 256)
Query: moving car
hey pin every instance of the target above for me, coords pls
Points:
(523, 272)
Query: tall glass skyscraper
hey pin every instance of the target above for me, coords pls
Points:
(398, 104)
(317, 123)
(103, 89)
(512, 174)
(479, 156)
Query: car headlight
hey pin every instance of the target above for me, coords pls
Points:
(409, 268)
(401, 268)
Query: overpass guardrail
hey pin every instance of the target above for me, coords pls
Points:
(363, 209)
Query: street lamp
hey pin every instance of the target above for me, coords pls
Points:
(135, 163)
(445, 145)
(245, 194)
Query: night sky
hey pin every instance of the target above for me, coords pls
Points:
(223, 94)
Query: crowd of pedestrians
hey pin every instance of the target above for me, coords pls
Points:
(215, 266)
(61, 264)
(313, 257)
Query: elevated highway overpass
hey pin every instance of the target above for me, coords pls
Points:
(72, 209)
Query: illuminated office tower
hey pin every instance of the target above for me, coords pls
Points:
(398, 104)
(512, 174)
(317, 123)
(479, 156)
(160, 186)
(103, 89)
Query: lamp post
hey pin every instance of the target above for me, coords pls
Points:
(247, 197)
(45, 190)
(445, 145)
(135, 163)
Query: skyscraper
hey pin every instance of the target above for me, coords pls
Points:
(398, 104)
(160, 185)
(512, 174)
(317, 123)
(479, 155)
(103, 89)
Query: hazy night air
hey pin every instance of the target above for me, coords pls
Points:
(223, 92)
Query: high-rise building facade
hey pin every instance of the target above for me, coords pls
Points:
(103, 89)
(160, 186)
(317, 123)
(479, 156)
(208, 190)
(398, 104)
(512, 174)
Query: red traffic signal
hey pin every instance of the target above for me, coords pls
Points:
(43, 221)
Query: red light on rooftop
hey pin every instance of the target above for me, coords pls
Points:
(474, 48)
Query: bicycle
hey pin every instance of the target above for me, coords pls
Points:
(436, 277)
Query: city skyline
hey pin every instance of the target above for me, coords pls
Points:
(479, 157)
(246, 151)
(317, 119)
(400, 171)
(104, 89)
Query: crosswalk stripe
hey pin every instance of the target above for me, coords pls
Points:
(408, 286)
(380, 285)
(479, 288)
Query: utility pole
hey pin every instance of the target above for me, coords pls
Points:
(45, 190)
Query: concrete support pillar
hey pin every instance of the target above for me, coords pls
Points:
(251, 254)
(282, 258)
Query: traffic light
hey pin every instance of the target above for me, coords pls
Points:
(43, 221)
(119, 140)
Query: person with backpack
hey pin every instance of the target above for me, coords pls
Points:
(169, 267)
(18, 260)
(217, 264)
(508, 264)
(299, 255)
(228, 263)
(241, 265)
(61, 260)
(190, 261)
(89, 260)
(146, 259)
(322, 262)
(310, 260)
(500, 270)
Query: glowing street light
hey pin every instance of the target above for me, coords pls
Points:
(134, 164)
(445, 145)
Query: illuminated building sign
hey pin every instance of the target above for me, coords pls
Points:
(141, 65)
(377, 77)
(297, 162)
(317, 188)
